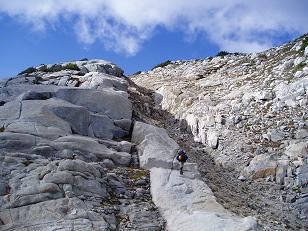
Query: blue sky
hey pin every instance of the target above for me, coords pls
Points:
(137, 35)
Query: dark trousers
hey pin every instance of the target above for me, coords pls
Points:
(181, 167)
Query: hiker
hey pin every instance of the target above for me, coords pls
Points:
(182, 158)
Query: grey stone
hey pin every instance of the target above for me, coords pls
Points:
(212, 138)
(124, 146)
(33, 95)
(89, 187)
(260, 166)
(301, 134)
(140, 182)
(114, 104)
(15, 141)
(276, 136)
(108, 164)
(155, 147)
(77, 117)
(59, 177)
(87, 145)
(125, 124)
(242, 178)
(102, 126)
(281, 173)
(78, 166)
(3, 187)
(34, 194)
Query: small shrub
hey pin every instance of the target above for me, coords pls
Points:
(71, 66)
(55, 68)
(299, 67)
(237, 53)
(304, 44)
(262, 56)
(2, 129)
(163, 64)
(28, 71)
(137, 73)
(43, 68)
(222, 53)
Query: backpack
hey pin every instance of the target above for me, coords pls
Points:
(182, 157)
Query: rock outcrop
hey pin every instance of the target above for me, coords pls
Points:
(61, 168)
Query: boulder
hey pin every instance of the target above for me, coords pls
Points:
(264, 95)
(155, 147)
(276, 136)
(260, 166)
(212, 138)
(297, 150)
(301, 134)
(281, 173)
(124, 146)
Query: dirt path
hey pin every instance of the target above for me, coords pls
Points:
(261, 199)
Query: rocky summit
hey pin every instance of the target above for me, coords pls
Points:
(83, 147)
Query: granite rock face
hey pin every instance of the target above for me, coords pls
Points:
(61, 168)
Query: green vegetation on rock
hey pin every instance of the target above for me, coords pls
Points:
(57, 67)
(222, 53)
(71, 66)
(137, 73)
(304, 44)
(299, 67)
(163, 64)
(28, 71)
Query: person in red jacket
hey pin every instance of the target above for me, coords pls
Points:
(182, 158)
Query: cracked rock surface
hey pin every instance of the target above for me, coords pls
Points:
(66, 160)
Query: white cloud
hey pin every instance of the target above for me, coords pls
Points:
(123, 25)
